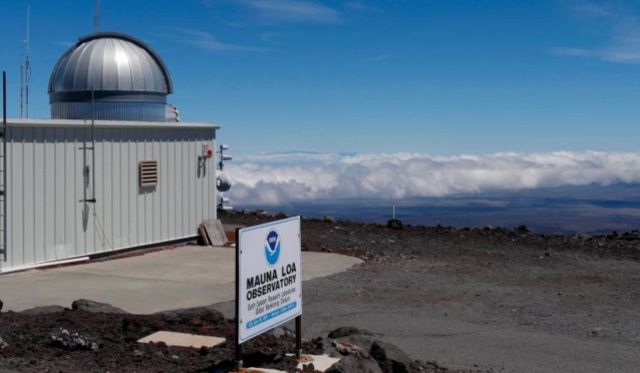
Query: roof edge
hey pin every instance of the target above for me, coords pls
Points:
(84, 123)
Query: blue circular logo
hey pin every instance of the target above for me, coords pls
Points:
(272, 248)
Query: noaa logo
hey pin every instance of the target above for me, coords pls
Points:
(272, 248)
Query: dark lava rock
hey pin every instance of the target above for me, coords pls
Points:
(3, 344)
(185, 315)
(64, 339)
(1, 304)
(390, 358)
(364, 342)
(353, 364)
(344, 331)
(43, 310)
(395, 224)
(346, 348)
(95, 307)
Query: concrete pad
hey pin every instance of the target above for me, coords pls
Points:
(181, 277)
(182, 339)
(320, 362)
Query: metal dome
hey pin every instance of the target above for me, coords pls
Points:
(109, 76)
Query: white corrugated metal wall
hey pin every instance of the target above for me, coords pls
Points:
(45, 185)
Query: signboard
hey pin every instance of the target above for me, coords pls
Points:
(269, 277)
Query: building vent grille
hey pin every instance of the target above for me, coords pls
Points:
(148, 174)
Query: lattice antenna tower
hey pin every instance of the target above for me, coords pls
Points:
(25, 69)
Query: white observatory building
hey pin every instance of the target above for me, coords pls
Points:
(113, 169)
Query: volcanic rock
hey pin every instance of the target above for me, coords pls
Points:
(352, 363)
(192, 314)
(43, 310)
(344, 331)
(395, 224)
(72, 341)
(390, 358)
(95, 307)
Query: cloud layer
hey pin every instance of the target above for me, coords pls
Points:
(281, 178)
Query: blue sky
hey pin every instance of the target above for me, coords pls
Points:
(437, 77)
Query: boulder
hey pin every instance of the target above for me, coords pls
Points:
(344, 331)
(184, 315)
(43, 310)
(346, 348)
(354, 364)
(390, 358)
(363, 341)
(95, 307)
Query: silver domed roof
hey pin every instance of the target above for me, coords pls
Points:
(109, 63)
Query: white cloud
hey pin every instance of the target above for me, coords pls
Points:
(209, 42)
(623, 43)
(288, 10)
(281, 178)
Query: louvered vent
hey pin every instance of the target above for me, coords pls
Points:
(148, 174)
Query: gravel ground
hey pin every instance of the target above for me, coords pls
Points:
(490, 299)
(81, 341)
(486, 299)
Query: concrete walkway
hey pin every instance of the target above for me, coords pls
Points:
(181, 277)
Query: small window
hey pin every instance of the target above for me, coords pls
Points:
(148, 174)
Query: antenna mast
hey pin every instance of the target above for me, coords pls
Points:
(96, 16)
(25, 70)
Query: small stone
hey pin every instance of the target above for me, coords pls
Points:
(138, 353)
(308, 367)
(66, 340)
(3, 344)
(318, 342)
(597, 332)
(282, 332)
(395, 224)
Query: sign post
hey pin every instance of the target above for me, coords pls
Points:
(268, 280)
